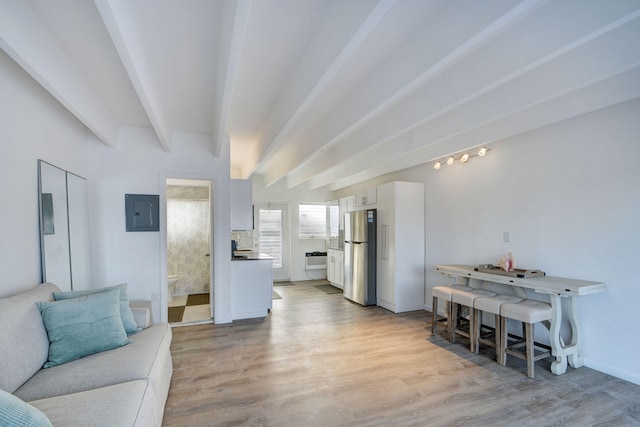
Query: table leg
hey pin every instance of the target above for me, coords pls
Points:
(561, 351)
(575, 358)
(560, 365)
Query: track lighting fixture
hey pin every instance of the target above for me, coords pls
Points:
(463, 158)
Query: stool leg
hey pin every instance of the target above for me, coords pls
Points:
(453, 324)
(449, 309)
(503, 341)
(529, 348)
(497, 320)
(476, 330)
(475, 324)
(434, 316)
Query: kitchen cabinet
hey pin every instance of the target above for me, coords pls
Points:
(366, 197)
(400, 246)
(347, 204)
(241, 205)
(251, 287)
(335, 267)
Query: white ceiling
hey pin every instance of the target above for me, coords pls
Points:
(327, 92)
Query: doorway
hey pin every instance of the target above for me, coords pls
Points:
(272, 235)
(189, 251)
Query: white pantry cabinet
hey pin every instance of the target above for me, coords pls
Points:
(241, 205)
(400, 246)
(335, 267)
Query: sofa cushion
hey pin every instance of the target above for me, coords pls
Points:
(127, 404)
(15, 412)
(131, 362)
(128, 320)
(82, 326)
(24, 345)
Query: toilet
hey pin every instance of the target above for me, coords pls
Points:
(172, 279)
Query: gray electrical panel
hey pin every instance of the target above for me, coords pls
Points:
(142, 212)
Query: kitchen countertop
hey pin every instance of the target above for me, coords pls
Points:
(250, 256)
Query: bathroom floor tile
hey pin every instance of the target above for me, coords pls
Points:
(178, 300)
(196, 312)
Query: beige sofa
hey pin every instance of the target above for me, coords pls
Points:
(126, 386)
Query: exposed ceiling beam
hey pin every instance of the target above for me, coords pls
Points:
(325, 157)
(606, 92)
(421, 108)
(234, 28)
(122, 29)
(278, 131)
(29, 44)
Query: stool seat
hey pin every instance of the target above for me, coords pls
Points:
(465, 297)
(490, 305)
(443, 292)
(528, 311)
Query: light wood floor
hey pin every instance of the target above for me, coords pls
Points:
(319, 360)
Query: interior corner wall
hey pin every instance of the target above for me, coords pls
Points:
(138, 166)
(294, 196)
(33, 125)
(568, 193)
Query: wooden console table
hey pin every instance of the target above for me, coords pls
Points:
(558, 289)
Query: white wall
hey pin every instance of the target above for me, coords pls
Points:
(33, 126)
(279, 193)
(569, 195)
(139, 166)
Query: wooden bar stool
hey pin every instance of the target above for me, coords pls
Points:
(528, 312)
(490, 305)
(464, 298)
(443, 292)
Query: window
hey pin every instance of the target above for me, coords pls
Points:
(313, 221)
(334, 219)
(270, 226)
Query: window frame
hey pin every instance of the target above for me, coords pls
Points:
(320, 217)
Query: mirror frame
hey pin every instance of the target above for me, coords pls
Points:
(67, 214)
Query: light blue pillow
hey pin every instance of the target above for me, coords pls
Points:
(82, 326)
(15, 412)
(128, 321)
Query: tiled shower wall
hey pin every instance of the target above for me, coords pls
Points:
(188, 244)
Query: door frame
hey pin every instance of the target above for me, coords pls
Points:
(164, 309)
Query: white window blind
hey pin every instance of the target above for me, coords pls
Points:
(313, 221)
(271, 234)
(334, 219)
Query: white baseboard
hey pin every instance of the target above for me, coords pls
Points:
(632, 377)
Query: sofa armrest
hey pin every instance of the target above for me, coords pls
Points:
(142, 313)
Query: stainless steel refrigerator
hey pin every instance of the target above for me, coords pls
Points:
(360, 256)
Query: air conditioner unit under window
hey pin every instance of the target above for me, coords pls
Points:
(315, 260)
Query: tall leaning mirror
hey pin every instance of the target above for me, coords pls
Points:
(64, 228)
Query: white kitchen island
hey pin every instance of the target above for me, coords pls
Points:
(251, 285)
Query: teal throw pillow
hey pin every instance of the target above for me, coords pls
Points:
(15, 412)
(128, 321)
(82, 326)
